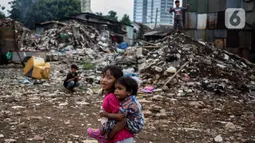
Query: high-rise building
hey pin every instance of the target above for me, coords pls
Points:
(146, 11)
(85, 6)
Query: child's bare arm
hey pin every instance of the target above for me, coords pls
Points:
(112, 116)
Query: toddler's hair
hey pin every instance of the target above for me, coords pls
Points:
(129, 83)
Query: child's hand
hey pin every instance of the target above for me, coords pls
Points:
(110, 136)
(103, 114)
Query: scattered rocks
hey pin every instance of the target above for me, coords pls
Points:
(230, 125)
(82, 103)
(147, 113)
(10, 140)
(18, 107)
(67, 122)
(38, 138)
(89, 141)
(218, 139)
(155, 108)
(63, 104)
(197, 104)
(162, 114)
(157, 98)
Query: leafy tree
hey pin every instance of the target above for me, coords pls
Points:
(30, 12)
(125, 20)
(20, 8)
(2, 15)
(99, 13)
(2, 7)
(112, 15)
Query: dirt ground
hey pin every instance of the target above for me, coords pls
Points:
(48, 113)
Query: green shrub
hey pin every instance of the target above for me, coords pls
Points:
(88, 65)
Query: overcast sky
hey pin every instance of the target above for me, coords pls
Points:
(120, 6)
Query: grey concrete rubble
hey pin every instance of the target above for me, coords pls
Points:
(233, 77)
(73, 34)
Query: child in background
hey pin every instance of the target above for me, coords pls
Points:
(130, 114)
(178, 14)
(111, 105)
(72, 78)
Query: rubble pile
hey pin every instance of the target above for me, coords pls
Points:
(209, 69)
(73, 35)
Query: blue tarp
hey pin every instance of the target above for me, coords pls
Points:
(123, 45)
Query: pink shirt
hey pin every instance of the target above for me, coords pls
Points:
(112, 105)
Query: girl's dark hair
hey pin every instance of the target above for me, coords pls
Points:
(177, 1)
(129, 83)
(115, 71)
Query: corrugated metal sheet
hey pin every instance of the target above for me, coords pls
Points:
(234, 3)
(212, 20)
(6, 40)
(245, 39)
(220, 33)
(190, 20)
(130, 34)
(200, 35)
(253, 42)
(248, 6)
(250, 17)
(202, 6)
(190, 33)
(252, 57)
(247, 27)
(234, 50)
(221, 20)
(210, 36)
(233, 39)
(222, 5)
(213, 5)
(201, 21)
(245, 53)
(193, 5)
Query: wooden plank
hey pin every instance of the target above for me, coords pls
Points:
(176, 73)
(151, 47)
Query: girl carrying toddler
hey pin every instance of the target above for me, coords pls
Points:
(121, 108)
(110, 104)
